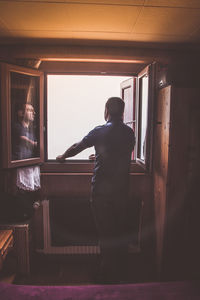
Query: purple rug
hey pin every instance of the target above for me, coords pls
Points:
(188, 290)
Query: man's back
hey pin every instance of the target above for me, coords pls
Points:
(113, 144)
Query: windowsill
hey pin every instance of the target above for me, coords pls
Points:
(82, 167)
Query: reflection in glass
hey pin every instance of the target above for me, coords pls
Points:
(24, 116)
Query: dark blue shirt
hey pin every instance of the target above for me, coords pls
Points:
(20, 148)
(114, 143)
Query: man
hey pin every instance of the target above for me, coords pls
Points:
(23, 137)
(26, 180)
(114, 143)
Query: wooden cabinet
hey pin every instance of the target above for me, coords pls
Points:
(6, 242)
(7, 272)
(22, 245)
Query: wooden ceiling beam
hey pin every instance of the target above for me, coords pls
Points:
(86, 53)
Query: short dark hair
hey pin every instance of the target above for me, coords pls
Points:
(115, 106)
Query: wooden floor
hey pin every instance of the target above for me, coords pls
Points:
(74, 270)
(58, 270)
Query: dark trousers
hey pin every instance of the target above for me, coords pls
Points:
(110, 214)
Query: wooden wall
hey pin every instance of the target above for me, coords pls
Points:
(161, 166)
(175, 179)
(78, 185)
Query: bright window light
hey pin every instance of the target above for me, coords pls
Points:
(75, 105)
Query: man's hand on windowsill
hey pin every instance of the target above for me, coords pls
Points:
(92, 157)
(60, 158)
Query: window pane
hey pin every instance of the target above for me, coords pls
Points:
(24, 116)
(143, 117)
(75, 105)
(128, 110)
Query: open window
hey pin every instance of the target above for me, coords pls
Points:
(67, 115)
(137, 94)
(75, 105)
(22, 116)
(23, 88)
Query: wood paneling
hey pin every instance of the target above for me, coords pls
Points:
(193, 191)
(77, 185)
(173, 194)
(161, 145)
(66, 185)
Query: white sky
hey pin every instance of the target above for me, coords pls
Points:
(75, 105)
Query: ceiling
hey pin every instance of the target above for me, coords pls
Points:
(148, 21)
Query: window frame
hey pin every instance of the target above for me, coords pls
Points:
(132, 85)
(5, 71)
(85, 166)
(148, 71)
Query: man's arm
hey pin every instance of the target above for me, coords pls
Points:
(87, 142)
(72, 151)
(26, 139)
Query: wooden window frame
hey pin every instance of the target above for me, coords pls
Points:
(132, 86)
(6, 121)
(150, 72)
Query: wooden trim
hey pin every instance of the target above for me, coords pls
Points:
(151, 116)
(139, 115)
(5, 110)
(95, 68)
(63, 52)
(81, 168)
(67, 167)
(143, 72)
(41, 118)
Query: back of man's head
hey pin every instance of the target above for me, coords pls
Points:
(115, 107)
